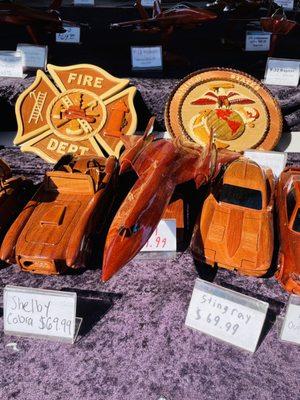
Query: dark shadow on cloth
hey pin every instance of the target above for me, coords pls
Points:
(1, 312)
(205, 271)
(92, 306)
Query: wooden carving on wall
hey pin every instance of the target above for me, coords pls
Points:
(238, 108)
(82, 110)
(54, 231)
(235, 228)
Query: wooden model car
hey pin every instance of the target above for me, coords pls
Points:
(14, 194)
(288, 206)
(54, 230)
(235, 229)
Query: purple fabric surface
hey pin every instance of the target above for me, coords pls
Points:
(140, 348)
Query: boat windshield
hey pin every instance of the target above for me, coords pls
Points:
(241, 196)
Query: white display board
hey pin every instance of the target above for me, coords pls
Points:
(33, 56)
(283, 72)
(257, 41)
(290, 331)
(11, 64)
(146, 58)
(40, 313)
(72, 35)
(163, 238)
(275, 160)
(88, 3)
(227, 315)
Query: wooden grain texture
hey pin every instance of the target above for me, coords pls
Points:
(54, 230)
(160, 166)
(288, 272)
(230, 233)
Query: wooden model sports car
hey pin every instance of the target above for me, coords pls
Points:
(288, 206)
(14, 194)
(235, 229)
(54, 230)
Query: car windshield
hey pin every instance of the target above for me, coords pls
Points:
(241, 196)
(296, 224)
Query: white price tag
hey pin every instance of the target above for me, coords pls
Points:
(282, 72)
(164, 237)
(90, 3)
(257, 41)
(143, 58)
(226, 315)
(39, 313)
(11, 64)
(72, 35)
(286, 4)
(275, 160)
(290, 331)
(33, 56)
(147, 3)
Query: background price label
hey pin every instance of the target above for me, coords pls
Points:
(39, 313)
(33, 56)
(164, 237)
(257, 41)
(84, 3)
(290, 331)
(148, 57)
(147, 3)
(226, 315)
(286, 4)
(275, 160)
(72, 35)
(282, 72)
(11, 64)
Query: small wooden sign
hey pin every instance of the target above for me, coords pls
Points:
(227, 315)
(85, 111)
(47, 314)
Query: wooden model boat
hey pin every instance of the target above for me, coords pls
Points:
(54, 230)
(235, 229)
(288, 207)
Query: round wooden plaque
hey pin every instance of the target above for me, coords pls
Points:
(237, 108)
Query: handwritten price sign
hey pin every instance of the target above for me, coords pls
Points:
(164, 237)
(226, 315)
(282, 72)
(39, 313)
(291, 326)
(72, 35)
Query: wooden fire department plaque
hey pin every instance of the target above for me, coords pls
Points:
(237, 108)
(82, 110)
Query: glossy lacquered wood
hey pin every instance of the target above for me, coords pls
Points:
(179, 16)
(14, 194)
(288, 203)
(235, 228)
(160, 165)
(35, 21)
(54, 230)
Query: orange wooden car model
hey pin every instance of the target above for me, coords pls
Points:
(54, 230)
(235, 229)
(14, 194)
(288, 206)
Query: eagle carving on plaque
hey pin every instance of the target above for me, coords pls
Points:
(82, 110)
